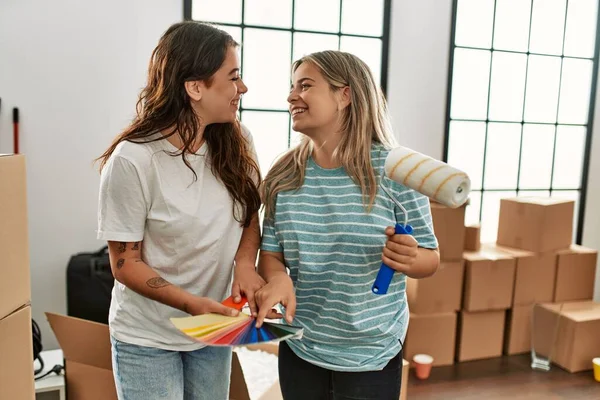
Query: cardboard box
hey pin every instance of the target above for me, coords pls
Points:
(576, 274)
(489, 280)
(439, 293)
(404, 384)
(577, 339)
(480, 335)
(473, 237)
(535, 275)
(517, 335)
(16, 356)
(538, 224)
(14, 250)
(88, 367)
(433, 334)
(449, 227)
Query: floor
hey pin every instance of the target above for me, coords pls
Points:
(503, 378)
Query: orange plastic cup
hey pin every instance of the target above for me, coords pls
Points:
(596, 362)
(423, 364)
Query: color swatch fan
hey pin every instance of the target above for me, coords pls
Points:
(221, 330)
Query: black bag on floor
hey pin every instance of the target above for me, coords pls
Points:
(89, 286)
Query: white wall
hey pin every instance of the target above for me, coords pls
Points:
(417, 92)
(418, 73)
(591, 226)
(74, 69)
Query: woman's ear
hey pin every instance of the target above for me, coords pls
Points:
(194, 89)
(345, 97)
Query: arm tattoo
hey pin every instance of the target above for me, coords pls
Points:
(157, 283)
(120, 263)
(122, 247)
(136, 246)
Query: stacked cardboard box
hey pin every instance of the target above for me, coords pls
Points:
(434, 301)
(538, 233)
(16, 348)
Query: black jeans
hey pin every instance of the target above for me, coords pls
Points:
(301, 380)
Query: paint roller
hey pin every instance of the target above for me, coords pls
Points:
(432, 178)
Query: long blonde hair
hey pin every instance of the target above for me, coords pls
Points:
(363, 122)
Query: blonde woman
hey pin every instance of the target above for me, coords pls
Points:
(329, 223)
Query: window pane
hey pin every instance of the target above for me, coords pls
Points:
(536, 156)
(229, 11)
(268, 12)
(470, 82)
(541, 98)
(474, 23)
(368, 50)
(317, 15)
(465, 149)
(568, 160)
(360, 18)
(472, 212)
(306, 43)
(268, 88)
(570, 195)
(575, 91)
(502, 156)
(511, 30)
(490, 214)
(547, 26)
(507, 86)
(270, 133)
(581, 28)
(234, 31)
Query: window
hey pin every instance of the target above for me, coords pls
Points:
(274, 33)
(520, 104)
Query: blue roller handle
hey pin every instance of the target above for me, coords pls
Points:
(385, 274)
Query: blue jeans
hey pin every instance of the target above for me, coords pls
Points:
(147, 373)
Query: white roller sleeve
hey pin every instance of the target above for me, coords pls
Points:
(435, 179)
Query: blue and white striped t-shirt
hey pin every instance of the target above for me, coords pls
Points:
(333, 248)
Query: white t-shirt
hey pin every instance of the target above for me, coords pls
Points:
(190, 236)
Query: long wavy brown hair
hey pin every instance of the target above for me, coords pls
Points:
(191, 51)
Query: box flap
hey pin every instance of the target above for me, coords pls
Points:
(487, 254)
(579, 311)
(542, 201)
(517, 253)
(577, 249)
(82, 341)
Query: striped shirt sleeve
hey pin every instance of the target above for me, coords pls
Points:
(419, 217)
(269, 240)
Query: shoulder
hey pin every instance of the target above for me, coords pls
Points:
(378, 155)
(246, 132)
(138, 155)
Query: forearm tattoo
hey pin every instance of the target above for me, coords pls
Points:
(136, 246)
(122, 247)
(157, 283)
(120, 263)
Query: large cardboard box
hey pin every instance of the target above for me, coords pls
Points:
(449, 227)
(576, 274)
(433, 334)
(473, 237)
(535, 275)
(14, 250)
(517, 335)
(568, 332)
(88, 367)
(480, 335)
(439, 293)
(536, 224)
(489, 280)
(16, 356)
